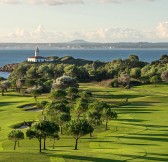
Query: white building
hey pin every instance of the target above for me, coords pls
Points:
(36, 58)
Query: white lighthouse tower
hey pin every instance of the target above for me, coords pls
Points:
(36, 52)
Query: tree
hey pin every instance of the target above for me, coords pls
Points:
(30, 83)
(34, 133)
(62, 118)
(32, 73)
(81, 107)
(72, 92)
(86, 95)
(22, 68)
(144, 79)
(16, 135)
(164, 58)
(133, 58)
(42, 130)
(35, 91)
(65, 82)
(7, 84)
(2, 87)
(135, 73)
(144, 71)
(152, 71)
(124, 79)
(132, 61)
(155, 79)
(60, 113)
(71, 70)
(42, 105)
(94, 119)
(164, 75)
(43, 71)
(96, 111)
(58, 70)
(109, 114)
(57, 95)
(82, 74)
(55, 136)
(79, 128)
(19, 84)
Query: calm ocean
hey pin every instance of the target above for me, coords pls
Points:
(16, 56)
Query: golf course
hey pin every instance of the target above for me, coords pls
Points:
(139, 134)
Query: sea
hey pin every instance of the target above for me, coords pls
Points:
(106, 55)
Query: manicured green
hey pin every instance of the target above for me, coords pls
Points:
(139, 134)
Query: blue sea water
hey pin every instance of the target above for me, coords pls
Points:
(16, 56)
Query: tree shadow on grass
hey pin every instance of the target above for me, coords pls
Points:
(131, 120)
(142, 103)
(7, 103)
(150, 125)
(102, 141)
(156, 135)
(85, 158)
(139, 144)
(105, 91)
(137, 112)
(111, 96)
(166, 155)
(145, 158)
(145, 138)
(56, 147)
(142, 110)
(17, 95)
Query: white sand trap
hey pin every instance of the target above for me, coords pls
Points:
(35, 109)
(23, 127)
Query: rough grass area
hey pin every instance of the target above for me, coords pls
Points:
(140, 133)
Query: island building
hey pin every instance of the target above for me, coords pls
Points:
(36, 58)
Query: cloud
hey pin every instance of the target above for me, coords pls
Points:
(101, 35)
(40, 34)
(162, 30)
(121, 1)
(55, 2)
(42, 2)
(64, 2)
(10, 2)
(116, 35)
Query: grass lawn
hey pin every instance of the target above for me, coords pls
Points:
(139, 134)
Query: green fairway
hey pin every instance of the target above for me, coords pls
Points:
(139, 134)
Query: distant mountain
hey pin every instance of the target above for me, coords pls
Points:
(79, 41)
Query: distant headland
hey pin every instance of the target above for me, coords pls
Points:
(82, 44)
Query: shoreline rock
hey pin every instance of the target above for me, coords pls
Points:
(8, 67)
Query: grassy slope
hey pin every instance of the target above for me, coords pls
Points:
(139, 134)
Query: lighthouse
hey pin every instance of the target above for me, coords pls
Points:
(36, 51)
(36, 57)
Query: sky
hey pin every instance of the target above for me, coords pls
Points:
(40, 21)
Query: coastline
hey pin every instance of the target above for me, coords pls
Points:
(8, 67)
(4, 74)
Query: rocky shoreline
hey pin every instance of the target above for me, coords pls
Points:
(8, 67)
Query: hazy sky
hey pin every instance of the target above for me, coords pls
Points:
(92, 20)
